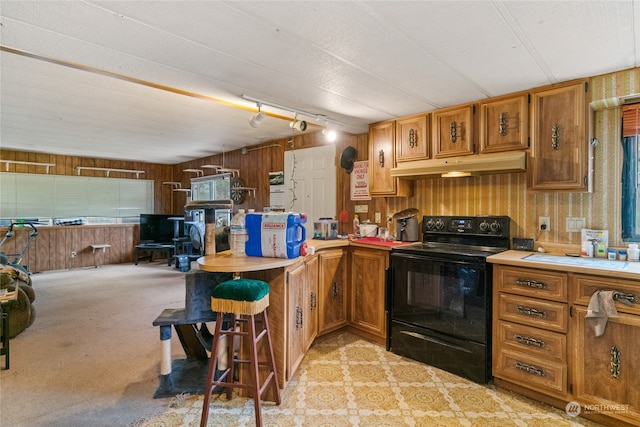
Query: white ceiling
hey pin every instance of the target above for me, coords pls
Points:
(356, 62)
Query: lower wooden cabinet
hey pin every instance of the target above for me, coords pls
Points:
(368, 270)
(606, 367)
(530, 322)
(332, 290)
(545, 347)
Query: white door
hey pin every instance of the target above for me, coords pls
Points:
(310, 183)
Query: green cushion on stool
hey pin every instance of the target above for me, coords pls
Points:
(241, 290)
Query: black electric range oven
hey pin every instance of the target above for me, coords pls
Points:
(439, 294)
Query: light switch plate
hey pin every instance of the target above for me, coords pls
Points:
(575, 224)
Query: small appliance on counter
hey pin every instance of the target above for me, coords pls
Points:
(407, 228)
(325, 229)
(368, 229)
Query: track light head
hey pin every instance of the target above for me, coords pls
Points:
(256, 119)
(300, 125)
(330, 134)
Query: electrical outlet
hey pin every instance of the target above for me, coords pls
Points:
(377, 217)
(74, 254)
(544, 223)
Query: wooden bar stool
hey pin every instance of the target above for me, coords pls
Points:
(242, 299)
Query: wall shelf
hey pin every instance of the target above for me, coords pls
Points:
(198, 172)
(175, 185)
(19, 162)
(108, 170)
(233, 172)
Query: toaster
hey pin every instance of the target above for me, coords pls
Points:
(325, 229)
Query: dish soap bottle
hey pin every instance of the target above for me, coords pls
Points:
(356, 226)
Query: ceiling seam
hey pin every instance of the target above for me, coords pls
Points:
(395, 29)
(345, 61)
(504, 12)
(239, 59)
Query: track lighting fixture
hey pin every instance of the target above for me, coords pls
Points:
(330, 134)
(300, 125)
(314, 116)
(256, 119)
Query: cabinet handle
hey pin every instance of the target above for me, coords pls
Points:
(631, 298)
(502, 124)
(453, 131)
(334, 290)
(531, 283)
(615, 362)
(529, 341)
(381, 158)
(413, 138)
(555, 137)
(314, 301)
(530, 311)
(530, 369)
(298, 318)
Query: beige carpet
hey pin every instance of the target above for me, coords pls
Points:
(346, 381)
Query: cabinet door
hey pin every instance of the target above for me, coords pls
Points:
(606, 367)
(310, 319)
(332, 297)
(367, 290)
(412, 138)
(382, 160)
(559, 139)
(296, 298)
(453, 131)
(504, 124)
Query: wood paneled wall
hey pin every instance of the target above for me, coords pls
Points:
(52, 248)
(66, 165)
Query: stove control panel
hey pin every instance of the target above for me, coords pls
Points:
(497, 226)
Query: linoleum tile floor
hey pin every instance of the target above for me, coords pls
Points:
(92, 358)
(347, 381)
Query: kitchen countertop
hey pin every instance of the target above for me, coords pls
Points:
(365, 242)
(595, 266)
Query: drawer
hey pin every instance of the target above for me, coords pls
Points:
(526, 371)
(533, 312)
(532, 282)
(585, 286)
(541, 343)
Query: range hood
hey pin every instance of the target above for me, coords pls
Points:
(511, 161)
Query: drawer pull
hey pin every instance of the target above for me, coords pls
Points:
(531, 283)
(529, 341)
(615, 362)
(530, 311)
(630, 298)
(530, 369)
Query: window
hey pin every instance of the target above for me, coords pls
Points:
(630, 170)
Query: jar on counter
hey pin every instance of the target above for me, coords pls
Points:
(633, 253)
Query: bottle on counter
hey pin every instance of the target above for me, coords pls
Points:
(238, 233)
(356, 225)
(633, 253)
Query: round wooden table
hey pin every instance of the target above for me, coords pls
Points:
(225, 262)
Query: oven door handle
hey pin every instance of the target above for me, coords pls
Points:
(435, 341)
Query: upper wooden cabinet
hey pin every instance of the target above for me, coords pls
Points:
(453, 131)
(382, 160)
(559, 136)
(413, 138)
(504, 124)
